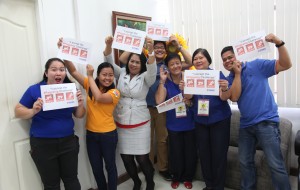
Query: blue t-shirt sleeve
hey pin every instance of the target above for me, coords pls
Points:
(28, 99)
(266, 67)
(222, 76)
(230, 78)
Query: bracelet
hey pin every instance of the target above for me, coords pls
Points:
(281, 44)
(225, 89)
(151, 54)
(161, 82)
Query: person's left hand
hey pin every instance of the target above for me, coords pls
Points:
(89, 70)
(174, 41)
(273, 39)
(79, 98)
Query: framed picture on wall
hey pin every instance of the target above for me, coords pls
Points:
(127, 20)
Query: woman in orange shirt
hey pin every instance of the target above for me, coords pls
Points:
(101, 134)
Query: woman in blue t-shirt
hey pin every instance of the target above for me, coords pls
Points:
(180, 124)
(54, 147)
(212, 122)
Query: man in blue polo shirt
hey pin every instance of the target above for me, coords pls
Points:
(259, 114)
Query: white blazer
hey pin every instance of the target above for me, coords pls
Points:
(132, 107)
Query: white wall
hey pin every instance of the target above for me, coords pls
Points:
(90, 21)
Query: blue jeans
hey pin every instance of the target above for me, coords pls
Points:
(267, 135)
(102, 146)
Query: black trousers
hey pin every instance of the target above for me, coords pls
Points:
(55, 159)
(213, 142)
(183, 155)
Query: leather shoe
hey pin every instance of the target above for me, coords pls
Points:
(166, 175)
(188, 184)
(207, 188)
(175, 184)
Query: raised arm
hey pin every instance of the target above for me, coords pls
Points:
(124, 57)
(98, 95)
(161, 92)
(284, 62)
(151, 63)
(233, 93)
(71, 67)
(108, 55)
(187, 63)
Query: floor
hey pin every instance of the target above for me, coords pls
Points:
(161, 184)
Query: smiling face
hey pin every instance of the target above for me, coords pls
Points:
(200, 62)
(56, 72)
(134, 65)
(228, 58)
(106, 77)
(175, 66)
(160, 51)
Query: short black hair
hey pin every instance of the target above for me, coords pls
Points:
(203, 52)
(227, 48)
(171, 56)
(164, 43)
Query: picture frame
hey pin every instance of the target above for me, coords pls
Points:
(128, 20)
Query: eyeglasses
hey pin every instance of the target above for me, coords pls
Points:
(159, 47)
(228, 58)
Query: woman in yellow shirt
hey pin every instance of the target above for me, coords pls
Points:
(101, 135)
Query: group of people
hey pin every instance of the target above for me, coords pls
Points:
(124, 115)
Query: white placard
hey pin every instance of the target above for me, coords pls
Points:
(75, 51)
(202, 82)
(170, 104)
(158, 31)
(251, 46)
(58, 96)
(129, 39)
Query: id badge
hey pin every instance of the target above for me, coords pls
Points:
(203, 107)
(180, 111)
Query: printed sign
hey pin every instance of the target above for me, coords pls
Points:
(171, 103)
(75, 51)
(203, 82)
(251, 46)
(158, 31)
(58, 96)
(129, 39)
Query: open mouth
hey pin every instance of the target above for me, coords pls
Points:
(58, 80)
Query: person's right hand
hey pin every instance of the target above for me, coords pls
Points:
(59, 43)
(163, 74)
(37, 106)
(89, 70)
(109, 40)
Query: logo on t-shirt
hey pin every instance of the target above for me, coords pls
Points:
(116, 93)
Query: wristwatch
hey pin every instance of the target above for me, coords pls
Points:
(281, 44)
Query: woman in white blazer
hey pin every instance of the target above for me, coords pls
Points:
(131, 114)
